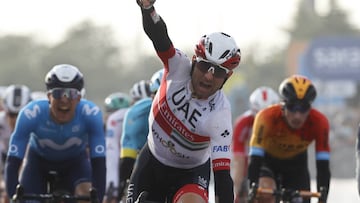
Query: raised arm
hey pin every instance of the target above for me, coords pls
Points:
(154, 26)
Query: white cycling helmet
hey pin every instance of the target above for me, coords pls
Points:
(263, 97)
(64, 76)
(220, 49)
(140, 90)
(156, 80)
(15, 97)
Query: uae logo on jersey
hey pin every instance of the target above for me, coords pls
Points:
(225, 133)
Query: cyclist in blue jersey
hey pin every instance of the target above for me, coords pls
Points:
(63, 134)
(135, 131)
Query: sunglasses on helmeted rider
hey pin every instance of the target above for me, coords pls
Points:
(206, 66)
(298, 107)
(70, 93)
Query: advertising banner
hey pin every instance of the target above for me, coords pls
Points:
(333, 58)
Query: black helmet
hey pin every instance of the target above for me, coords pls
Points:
(296, 89)
(64, 76)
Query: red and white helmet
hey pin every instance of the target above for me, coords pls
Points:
(220, 49)
(263, 97)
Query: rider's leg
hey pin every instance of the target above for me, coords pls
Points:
(78, 178)
(32, 177)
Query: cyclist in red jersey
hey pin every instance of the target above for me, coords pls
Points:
(260, 98)
(190, 128)
(280, 139)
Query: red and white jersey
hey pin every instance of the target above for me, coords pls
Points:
(184, 132)
(242, 132)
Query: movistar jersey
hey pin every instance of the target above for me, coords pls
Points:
(54, 141)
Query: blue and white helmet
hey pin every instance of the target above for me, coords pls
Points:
(155, 80)
(140, 90)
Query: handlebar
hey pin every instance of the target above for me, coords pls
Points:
(282, 193)
(301, 193)
(54, 197)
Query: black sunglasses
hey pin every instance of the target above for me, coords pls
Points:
(70, 93)
(206, 66)
(300, 107)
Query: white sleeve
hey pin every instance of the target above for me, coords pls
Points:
(221, 137)
(113, 133)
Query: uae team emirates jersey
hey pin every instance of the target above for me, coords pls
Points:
(185, 132)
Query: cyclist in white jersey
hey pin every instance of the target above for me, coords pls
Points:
(15, 97)
(190, 126)
(116, 105)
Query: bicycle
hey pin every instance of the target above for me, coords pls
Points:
(284, 195)
(54, 194)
